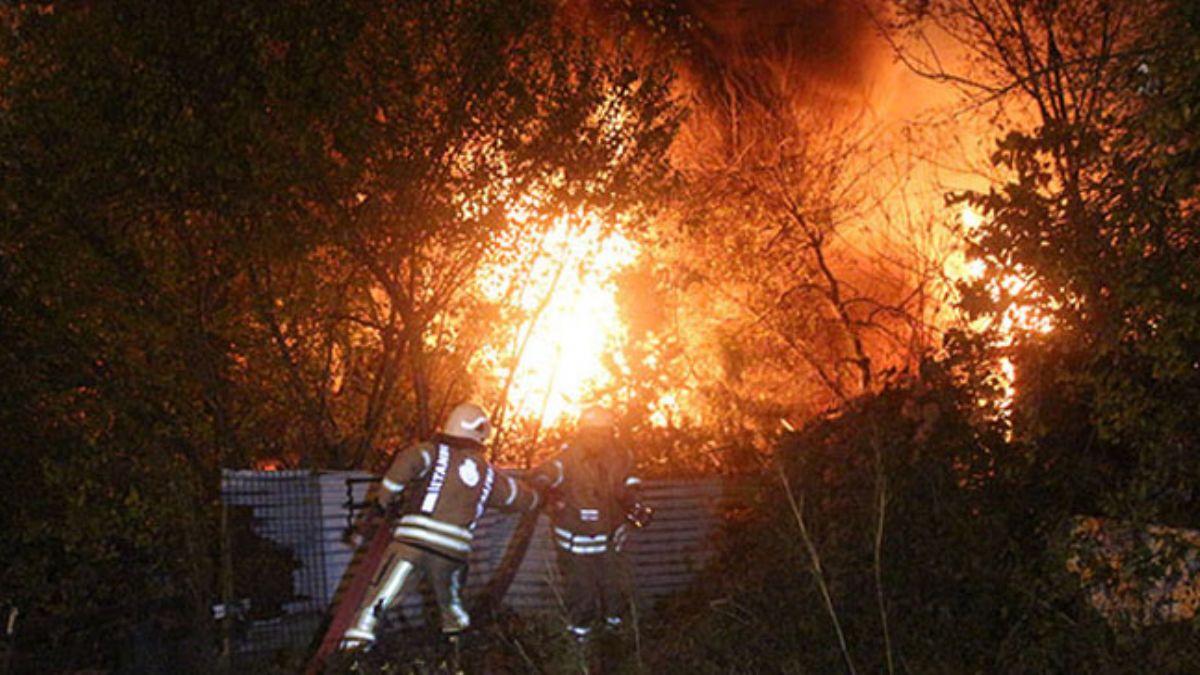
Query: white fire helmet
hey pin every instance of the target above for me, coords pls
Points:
(596, 417)
(468, 420)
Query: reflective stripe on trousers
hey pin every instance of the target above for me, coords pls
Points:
(397, 576)
(385, 593)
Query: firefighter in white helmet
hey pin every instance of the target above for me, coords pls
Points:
(592, 497)
(446, 486)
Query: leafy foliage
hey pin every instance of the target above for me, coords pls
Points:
(241, 233)
(1098, 216)
(971, 564)
(916, 529)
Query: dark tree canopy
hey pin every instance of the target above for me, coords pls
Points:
(247, 233)
(234, 232)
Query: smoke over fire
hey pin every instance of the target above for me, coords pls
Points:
(773, 55)
(752, 68)
(774, 51)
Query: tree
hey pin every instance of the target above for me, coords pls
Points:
(141, 168)
(1095, 221)
(233, 233)
(796, 227)
(469, 115)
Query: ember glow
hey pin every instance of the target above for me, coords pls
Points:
(1023, 315)
(568, 318)
(960, 267)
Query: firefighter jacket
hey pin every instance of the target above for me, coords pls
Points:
(591, 487)
(446, 486)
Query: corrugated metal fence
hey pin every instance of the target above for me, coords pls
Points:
(278, 546)
(303, 515)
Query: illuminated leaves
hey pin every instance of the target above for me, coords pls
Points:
(239, 233)
(1091, 231)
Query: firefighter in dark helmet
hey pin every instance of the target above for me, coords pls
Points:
(446, 486)
(592, 499)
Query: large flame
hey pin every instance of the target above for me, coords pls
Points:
(569, 319)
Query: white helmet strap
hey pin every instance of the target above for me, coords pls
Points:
(475, 424)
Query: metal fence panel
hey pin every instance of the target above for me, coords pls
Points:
(307, 513)
(280, 570)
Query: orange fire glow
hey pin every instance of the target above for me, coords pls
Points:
(568, 319)
(1022, 317)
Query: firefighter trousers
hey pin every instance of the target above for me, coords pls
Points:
(596, 586)
(403, 566)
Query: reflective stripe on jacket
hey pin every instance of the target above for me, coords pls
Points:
(580, 544)
(447, 486)
(593, 486)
